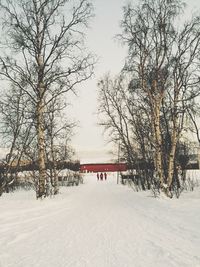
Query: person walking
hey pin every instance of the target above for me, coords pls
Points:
(101, 176)
(97, 176)
(105, 176)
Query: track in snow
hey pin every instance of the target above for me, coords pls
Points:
(98, 224)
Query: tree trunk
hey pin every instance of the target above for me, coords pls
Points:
(54, 172)
(55, 177)
(158, 144)
(41, 150)
(172, 153)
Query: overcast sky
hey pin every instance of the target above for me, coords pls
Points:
(89, 142)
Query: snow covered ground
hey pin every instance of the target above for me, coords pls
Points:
(99, 224)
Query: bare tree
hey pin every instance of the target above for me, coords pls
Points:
(13, 120)
(49, 58)
(194, 115)
(112, 107)
(162, 60)
(58, 128)
(125, 118)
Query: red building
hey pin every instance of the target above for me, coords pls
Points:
(103, 167)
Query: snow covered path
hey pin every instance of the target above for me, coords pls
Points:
(99, 224)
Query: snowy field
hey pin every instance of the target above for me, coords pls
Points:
(99, 224)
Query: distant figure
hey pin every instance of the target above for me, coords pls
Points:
(97, 176)
(105, 175)
(101, 176)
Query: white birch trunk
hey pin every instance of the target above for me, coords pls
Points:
(158, 142)
(41, 151)
(172, 152)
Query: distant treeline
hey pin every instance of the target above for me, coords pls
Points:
(186, 162)
(30, 166)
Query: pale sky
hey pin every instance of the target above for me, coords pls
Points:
(89, 142)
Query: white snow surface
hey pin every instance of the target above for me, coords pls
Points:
(99, 224)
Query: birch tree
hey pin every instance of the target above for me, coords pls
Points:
(115, 118)
(163, 59)
(58, 129)
(44, 55)
(125, 119)
(14, 123)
